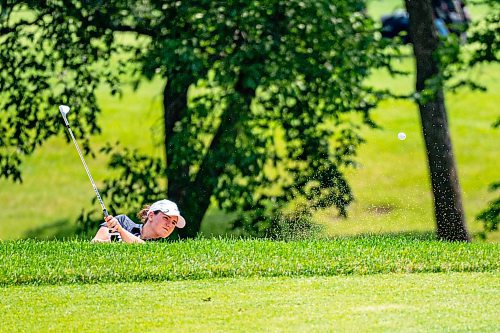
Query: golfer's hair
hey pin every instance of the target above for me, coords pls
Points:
(143, 214)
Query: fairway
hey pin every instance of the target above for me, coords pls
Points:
(390, 185)
(456, 302)
(365, 284)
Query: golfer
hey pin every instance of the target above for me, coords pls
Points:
(158, 221)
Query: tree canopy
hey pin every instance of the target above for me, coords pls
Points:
(264, 125)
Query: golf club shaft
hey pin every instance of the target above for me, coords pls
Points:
(104, 210)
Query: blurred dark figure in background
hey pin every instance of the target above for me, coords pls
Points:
(454, 14)
(450, 16)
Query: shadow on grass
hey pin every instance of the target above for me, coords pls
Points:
(56, 230)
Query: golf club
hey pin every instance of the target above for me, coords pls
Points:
(64, 111)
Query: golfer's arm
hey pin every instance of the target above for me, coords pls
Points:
(127, 237)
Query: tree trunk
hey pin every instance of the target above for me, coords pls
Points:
(174, 107)
(448, 207)
(212, 166)
(193, 196)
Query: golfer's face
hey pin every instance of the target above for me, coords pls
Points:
(164, 224)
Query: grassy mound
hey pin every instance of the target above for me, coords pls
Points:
(30, 262)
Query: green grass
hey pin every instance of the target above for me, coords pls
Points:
(31, 262)
(391, 187)
(364, 284)
(457, 302)
(400, 281)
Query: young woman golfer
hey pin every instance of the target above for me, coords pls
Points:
(158, 221)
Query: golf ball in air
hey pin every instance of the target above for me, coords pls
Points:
(401, 136)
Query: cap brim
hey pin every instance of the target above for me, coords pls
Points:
(181, 222)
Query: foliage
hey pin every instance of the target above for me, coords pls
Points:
(487, 41)
(271, 74)
(274, 74)
(457, 56)
(485, 37)
(491, 215)
(47, 59)
(481, 46)
(138, 174)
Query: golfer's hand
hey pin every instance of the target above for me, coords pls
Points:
(112, 223)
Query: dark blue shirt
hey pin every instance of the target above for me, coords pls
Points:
(127, 224)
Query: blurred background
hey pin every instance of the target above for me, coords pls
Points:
(389, 183)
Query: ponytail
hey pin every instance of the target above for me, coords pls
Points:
(143, 214)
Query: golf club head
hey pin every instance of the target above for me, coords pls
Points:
(64, 109)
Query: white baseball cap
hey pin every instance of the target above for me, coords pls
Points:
(169, 208)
